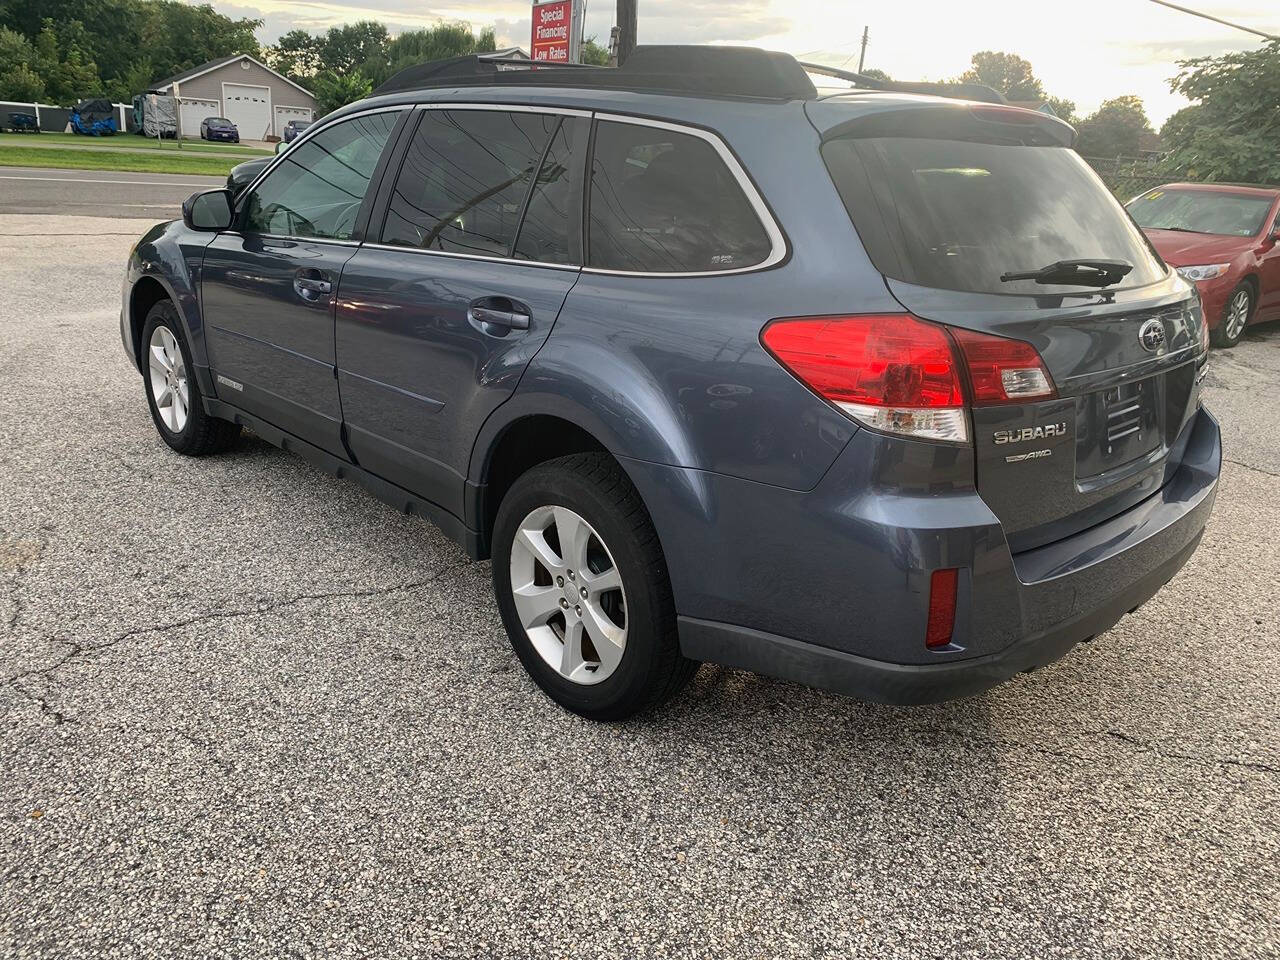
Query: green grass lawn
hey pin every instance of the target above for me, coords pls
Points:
(170, 161)
(133, 141)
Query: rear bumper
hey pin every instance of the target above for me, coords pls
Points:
(910, 683)
(861, 630)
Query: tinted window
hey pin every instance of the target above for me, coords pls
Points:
(464, 180)
(1202, 211)
(318, 186)
(664, 202)
(957, 214)
(544, 234)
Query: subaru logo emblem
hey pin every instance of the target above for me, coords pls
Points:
(1151, 336)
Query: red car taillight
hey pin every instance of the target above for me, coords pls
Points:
(901, 374)
(1002, 370)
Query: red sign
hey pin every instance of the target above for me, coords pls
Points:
(552, 30)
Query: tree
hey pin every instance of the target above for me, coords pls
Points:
(296, 55)
(22, 84)
(1115, 129)
(876, 74)
(591, 52)
(121, 40)
(1006, 72)
(435, 43)
(1064, 109)
(334, 90)
(1232, 129)
(355, 46)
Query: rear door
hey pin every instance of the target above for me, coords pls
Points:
(268, 285)
(949, 199)
(437, 320)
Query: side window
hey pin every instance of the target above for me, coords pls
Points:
(464, 181)
(317, 188)
(664, 202)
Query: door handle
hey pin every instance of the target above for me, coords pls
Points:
(498, 316)
(311, 285)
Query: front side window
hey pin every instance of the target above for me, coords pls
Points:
(1202, 211)
(665, 202)
(464, 181)
(318, 186)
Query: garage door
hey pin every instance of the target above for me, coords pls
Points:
(249, 108)
(285, 114)
(194, 111)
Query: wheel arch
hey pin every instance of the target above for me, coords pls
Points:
(145, 294)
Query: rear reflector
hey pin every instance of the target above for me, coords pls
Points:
(892, 372)
(942, 608)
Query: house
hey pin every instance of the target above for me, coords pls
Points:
(244, 90)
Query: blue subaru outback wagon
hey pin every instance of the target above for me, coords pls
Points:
(870, 389)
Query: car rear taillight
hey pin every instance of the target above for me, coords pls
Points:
(1003, 370)
(892, 372)
(901, 374)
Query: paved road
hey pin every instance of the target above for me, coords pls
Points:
(246, 710)
(98, 193)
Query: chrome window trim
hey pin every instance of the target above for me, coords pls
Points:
(778, 245)
(777, 242)
(472, 256)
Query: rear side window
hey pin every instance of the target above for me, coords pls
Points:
(464, 180)
(665, 202)
(956, 214)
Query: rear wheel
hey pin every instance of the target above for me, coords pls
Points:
(173, 395)
(583, 590)
(1235, 317)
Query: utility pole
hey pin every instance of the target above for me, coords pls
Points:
(862, 57)
(626, 17)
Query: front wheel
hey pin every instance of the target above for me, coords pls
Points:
(1235, 317)
(173, 395)
(583, 590)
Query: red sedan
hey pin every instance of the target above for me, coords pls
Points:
(1225, 239)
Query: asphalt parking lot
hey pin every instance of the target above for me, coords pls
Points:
(247, 710)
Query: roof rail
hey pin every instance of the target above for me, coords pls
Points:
(959, 91)
(715, 71)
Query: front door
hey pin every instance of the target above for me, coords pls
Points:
(268, 286)
(437, 321)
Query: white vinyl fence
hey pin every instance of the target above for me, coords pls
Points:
(54, 119)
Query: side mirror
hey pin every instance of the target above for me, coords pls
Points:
(210, 210)
(281, 146)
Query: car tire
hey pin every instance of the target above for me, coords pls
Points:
(645, 667)
(1235, 317)
(168, 375)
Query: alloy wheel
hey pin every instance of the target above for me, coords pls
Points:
(168, 379)
(1237, 314)
(568, 595)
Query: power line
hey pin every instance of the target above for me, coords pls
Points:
(1209, 16)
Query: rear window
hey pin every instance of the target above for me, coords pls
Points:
(956, 214)
(1202, 211)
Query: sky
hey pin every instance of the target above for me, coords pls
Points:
(1083, 50)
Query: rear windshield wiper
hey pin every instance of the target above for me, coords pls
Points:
(1077, 273)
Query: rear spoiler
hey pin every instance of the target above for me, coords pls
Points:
(957, 91)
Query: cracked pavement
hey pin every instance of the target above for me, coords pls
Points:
(247, 710)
